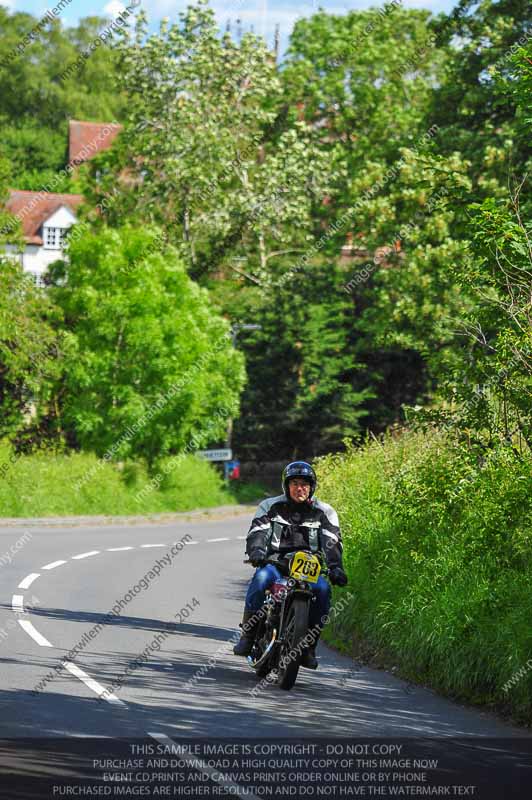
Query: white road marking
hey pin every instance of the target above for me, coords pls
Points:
(28, 580)
(18, 606)
(215, 775)
(34, 633)
(241, 537)
(92, 684)
(85, 555)
(161, 737)
(17, 603)
(54, 564)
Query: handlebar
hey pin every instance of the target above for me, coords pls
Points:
(276, 558)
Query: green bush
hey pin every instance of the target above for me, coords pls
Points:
(438, 553)
(46, 484)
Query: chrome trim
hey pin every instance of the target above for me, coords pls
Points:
(255, 664)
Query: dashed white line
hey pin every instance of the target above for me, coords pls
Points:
(54, 564)
(154, 545)
(92, 684)
(17, 603)
(161, 737)
(18, 606)
(34, 633)
(85, 555)
(28, 580)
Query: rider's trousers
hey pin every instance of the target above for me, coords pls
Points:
(265, 576)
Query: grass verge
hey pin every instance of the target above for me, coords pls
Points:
(438, 549)
(44, 485)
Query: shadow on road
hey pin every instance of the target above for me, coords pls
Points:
(137, 623)
(204, 690)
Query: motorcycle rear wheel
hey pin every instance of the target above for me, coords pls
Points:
(296, 629)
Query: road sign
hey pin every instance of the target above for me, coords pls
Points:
(223, 454)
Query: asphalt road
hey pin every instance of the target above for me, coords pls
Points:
(70, 595)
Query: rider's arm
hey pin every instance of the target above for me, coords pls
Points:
(259, 530)
(331, 536)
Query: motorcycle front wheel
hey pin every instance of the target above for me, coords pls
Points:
(296, 629)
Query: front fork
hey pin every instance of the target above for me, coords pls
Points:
(286, 605)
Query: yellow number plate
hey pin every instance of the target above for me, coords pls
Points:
(305, 567)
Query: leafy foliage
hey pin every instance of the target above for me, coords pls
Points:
(36, 103)
(396, 135)
(149, 363)
(473, 106)
(495, 389)
(438, 545)
(308, 394)
(30, 349)
(199, 145)
(113, 489)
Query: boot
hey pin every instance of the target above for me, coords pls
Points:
(249, 626)
(308, 657)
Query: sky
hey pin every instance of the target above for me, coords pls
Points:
(263, 15)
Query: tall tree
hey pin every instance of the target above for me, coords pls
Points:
(201, 147)
(473, 108)
(148, 362)
(491, 385)
(37, 100)
(306, 389)
(30, 353)
(363, 81)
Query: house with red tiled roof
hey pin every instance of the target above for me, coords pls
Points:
(87, 139)
(45, 218)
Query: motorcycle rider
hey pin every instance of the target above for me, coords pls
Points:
(295, 520)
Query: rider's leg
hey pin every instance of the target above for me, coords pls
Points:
(262, 580)
(319, 608)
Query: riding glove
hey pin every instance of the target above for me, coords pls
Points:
(337, 576)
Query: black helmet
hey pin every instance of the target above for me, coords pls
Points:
(299, 469)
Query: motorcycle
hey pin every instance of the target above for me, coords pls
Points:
(283, 631)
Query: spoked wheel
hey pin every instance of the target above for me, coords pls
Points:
(295, 630)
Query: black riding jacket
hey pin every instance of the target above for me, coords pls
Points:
(280, 525)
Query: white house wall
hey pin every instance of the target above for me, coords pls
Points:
(62, 218)
(35, 259)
